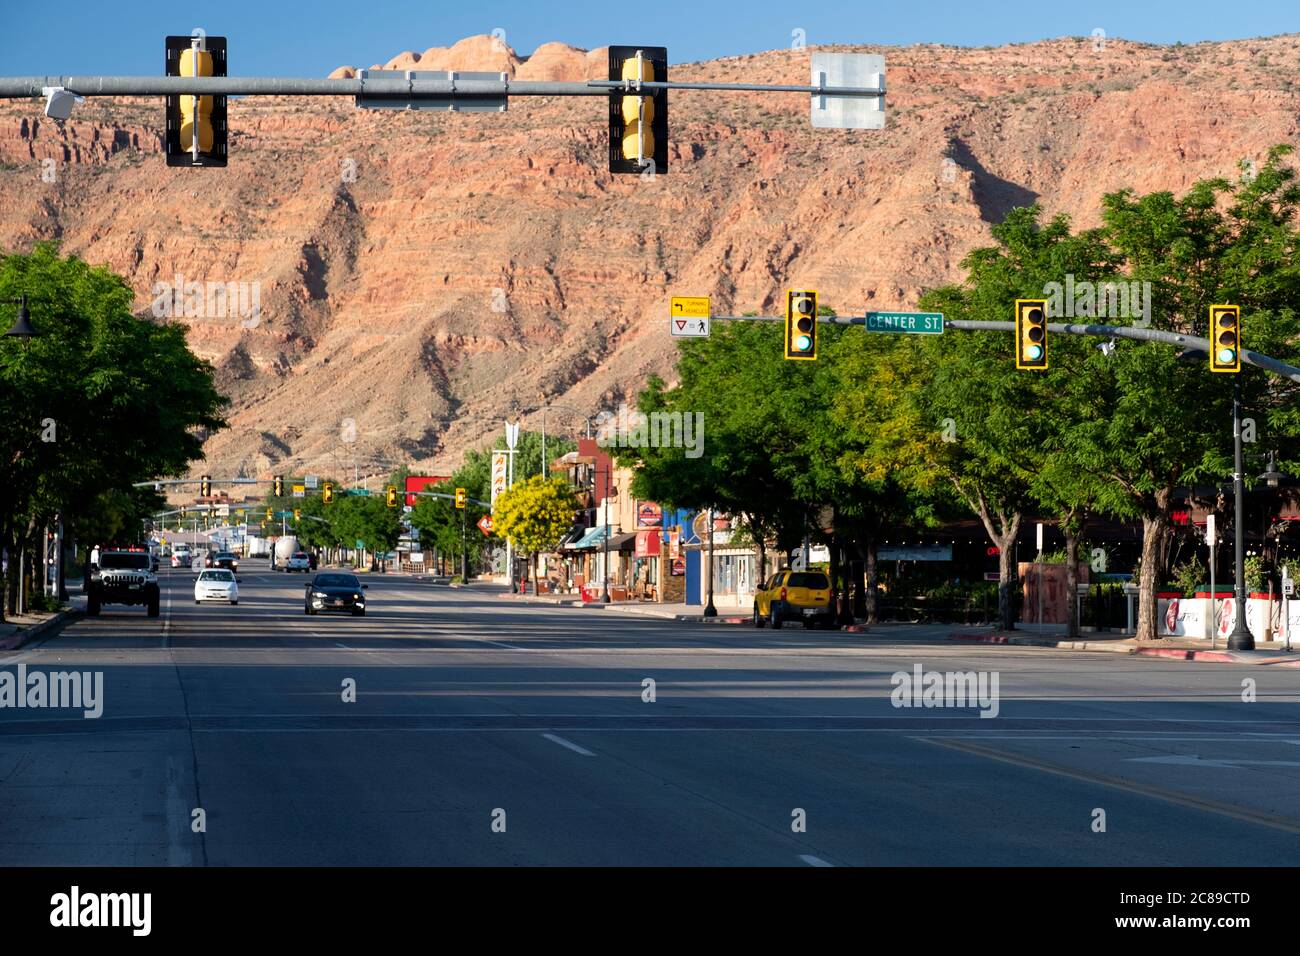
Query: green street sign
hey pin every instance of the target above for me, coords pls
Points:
(363, 492)
(916, 323)
(361, 545)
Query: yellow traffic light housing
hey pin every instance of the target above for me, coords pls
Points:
(196, 125)
(297, 514)
(279, 486)
(1225, 338)
(638, 117)
(182, 511)
(1031, 333)
(205, 486)
(801, 325)
(460, 497)
(391, 496)
(270, 515)
(327, 493)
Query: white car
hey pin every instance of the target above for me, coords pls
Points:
(181, 558)
(216, 584)
(298, 561)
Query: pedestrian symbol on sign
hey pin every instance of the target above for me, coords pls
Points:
(689, 317)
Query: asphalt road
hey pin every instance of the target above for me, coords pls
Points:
(488, 732)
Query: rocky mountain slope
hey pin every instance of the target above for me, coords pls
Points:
(422, 276)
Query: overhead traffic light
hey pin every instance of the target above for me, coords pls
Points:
(391, 496)
(205, 486)
(801, 325)
(297, 514)
(196, 125)
(327, 493)
(279, 486)
(269, 514)
(1225, 338)
(638, 117)
(1031, 333)
(182, 511)
(460, 497)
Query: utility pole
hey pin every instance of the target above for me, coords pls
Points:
(1240, 639)
(464, 553)
(709, 609)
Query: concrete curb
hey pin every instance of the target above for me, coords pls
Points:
(28, 634)
(1119, 647)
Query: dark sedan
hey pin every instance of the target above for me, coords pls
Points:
(335, 591)
(225, 559)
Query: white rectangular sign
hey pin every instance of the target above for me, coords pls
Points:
(1211, 533)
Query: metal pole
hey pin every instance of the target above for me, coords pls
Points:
(605, 597)
(1241, 638)
(464, 552)
(709, 609)
(1214, 617)
(543, 441)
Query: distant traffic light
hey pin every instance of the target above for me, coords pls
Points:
(196, 125)
(270, 515)
(297, 514)
(279, 486)
(205, 486)
(391, 497)
(801, 325)
(327, 493)
(182, 511)
(1225, 338)
(638, 117)
(1031, 333)
(460, 497)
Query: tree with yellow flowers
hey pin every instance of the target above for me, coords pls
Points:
(534, 515)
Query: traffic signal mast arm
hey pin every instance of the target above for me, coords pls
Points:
(398, 85)
(451, 498)
(1193, 342)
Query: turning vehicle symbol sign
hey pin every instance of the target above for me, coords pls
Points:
(485, 524)
(690, 316)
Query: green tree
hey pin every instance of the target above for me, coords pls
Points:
(534, 514)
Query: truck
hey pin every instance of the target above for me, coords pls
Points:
(256, 547)
(285, 546)
(123, 577)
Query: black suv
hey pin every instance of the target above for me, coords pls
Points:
(123, 577)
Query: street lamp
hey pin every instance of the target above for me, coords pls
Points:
(1240, 639)
(23, 328)
(709, 609)
(546, 407)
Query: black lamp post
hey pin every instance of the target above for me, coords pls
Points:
(709, 609)
(1240, 639)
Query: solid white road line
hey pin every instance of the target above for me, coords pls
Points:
(556, 739)
(814, 860)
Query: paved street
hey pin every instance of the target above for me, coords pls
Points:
(467, 705)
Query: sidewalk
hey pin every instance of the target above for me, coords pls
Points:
(680, 612)
(1173, 648)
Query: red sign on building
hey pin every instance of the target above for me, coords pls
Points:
(416, 483)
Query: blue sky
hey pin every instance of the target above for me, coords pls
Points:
(311, 37)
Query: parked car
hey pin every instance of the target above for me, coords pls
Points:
(335, 591)
(216, 584)
(795, 596)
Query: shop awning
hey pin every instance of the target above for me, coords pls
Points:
(623, 542)
(594, 538)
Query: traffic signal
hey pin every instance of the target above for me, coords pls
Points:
(297, 514)
(638, 117)
(182, 511)
(460, 497)
(801, 325)
(196, 125)
(327, 493)
(205, 486)
(392, 496)
(1031, 333)
(270, 515)
(279, 486)
(1225, 338)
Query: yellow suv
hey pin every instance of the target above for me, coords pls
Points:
(795, 596)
